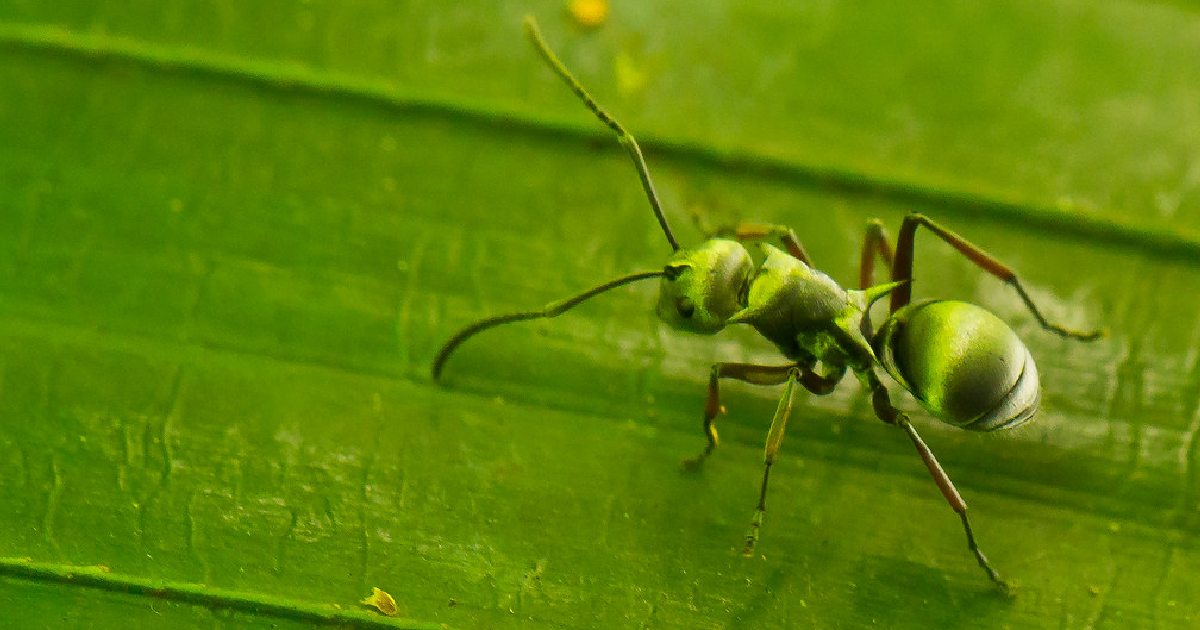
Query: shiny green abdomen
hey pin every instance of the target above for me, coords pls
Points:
(964, 364)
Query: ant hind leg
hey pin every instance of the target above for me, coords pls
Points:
(889, 414)
(903, 267)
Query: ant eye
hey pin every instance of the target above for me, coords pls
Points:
(685, 307)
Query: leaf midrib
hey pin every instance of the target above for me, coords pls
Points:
(95, 577)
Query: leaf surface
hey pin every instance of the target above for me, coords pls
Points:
(232, 240)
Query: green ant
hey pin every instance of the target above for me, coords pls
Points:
(962, 363)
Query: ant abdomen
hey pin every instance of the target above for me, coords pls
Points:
(964, 364)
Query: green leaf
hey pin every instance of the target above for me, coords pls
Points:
(232, 239)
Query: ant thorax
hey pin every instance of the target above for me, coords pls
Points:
(805, 313)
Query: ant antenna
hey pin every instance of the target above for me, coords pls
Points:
(535, 37)
(553, 309)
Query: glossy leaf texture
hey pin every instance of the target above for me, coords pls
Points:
(234, 235)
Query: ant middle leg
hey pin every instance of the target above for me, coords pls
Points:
(875, 243)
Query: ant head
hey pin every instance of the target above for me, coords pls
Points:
(703, 287)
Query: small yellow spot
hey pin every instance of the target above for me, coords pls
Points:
(1114, 527)
(381, 601)
(588, 13)
(1094, 591)
(103, 568)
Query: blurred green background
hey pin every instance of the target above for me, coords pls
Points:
(233, 235)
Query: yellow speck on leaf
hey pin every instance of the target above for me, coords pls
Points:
(588, 13)
(381, 601)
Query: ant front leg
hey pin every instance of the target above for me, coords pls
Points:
(903, 267)
(813, 382)
(755, 375)
(745, 372)
(774, 439)
(891, 415)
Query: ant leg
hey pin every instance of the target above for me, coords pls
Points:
(902, 270)
(756, 375)
(889, 414)
(774, 439)
(745, 372)
(758, 232)
(821, 384)
(875, 243)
